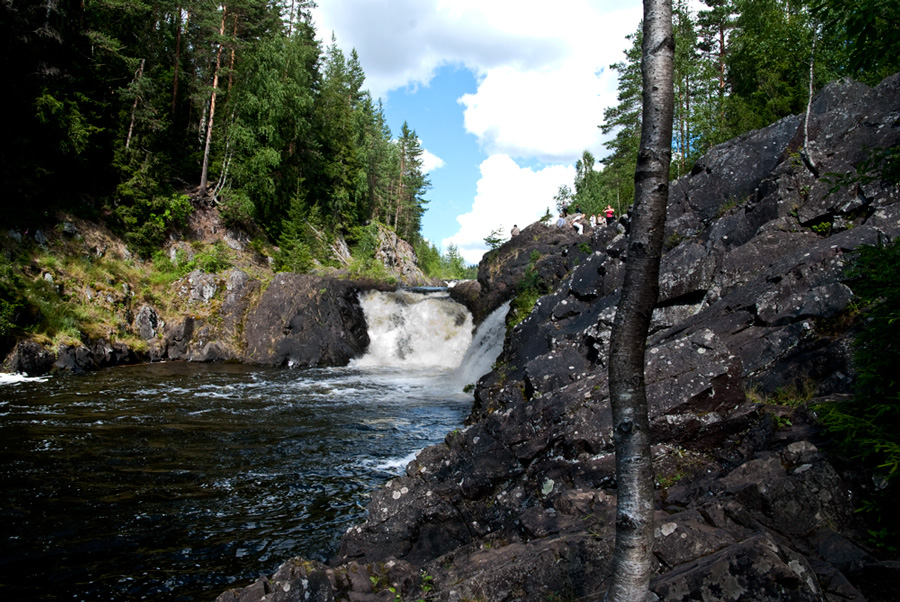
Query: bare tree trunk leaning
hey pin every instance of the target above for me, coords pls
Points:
(212, 110)
(137, 79)
(640, 290)
(805, 154)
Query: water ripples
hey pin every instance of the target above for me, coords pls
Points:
(173, 481)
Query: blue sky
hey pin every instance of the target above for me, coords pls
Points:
(504, 96)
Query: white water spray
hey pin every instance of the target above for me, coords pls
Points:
(485, 347)
(430, 332)
(415, 330)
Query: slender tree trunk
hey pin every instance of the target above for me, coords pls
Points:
(137, 78)
(806, 154)
(399, 189)
(231, 62)
(177, 58)
(212, 109)
(628, 396)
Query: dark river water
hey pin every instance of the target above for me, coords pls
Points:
(176, 481)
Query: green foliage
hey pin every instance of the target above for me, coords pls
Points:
(364, 241)
(868, 426)
(429, 258)
(148, 221)
(869, 29)
(546, 218)
(530, 288)
(453, 266)
(821, 228)
(214, 259)
(237, 210)
(495, 239)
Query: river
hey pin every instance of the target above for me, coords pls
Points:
(172, 482)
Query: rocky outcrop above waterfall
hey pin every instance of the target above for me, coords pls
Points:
(304, 320)
(546, 250)
(296, 320)
(398, 257)
(520, 504)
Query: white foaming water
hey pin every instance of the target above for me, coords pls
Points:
(414, 330)
(9, 378)
(486, 346)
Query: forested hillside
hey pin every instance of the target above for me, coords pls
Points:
(124, 110)
(739, 65)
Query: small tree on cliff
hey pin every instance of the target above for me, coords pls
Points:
(628, 396)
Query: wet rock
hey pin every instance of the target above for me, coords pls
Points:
(29, 357)
(303, 320)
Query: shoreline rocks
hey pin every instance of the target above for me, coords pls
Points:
(519, 505)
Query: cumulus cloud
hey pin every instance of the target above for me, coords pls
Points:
(543, 72)
(508, 194)
(403, 42)
(430, 161)
(543, 81)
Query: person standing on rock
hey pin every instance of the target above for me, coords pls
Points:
(610, 215)
(579, 227)
(515, 231)
(561, 221)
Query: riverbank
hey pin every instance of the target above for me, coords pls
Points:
(80, 300)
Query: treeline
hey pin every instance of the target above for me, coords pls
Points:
(130, 109)
(739, 65)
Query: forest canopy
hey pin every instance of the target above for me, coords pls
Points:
(121, 108)
(739, 65)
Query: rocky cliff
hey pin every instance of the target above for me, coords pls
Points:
(242, 313)
(520, 504)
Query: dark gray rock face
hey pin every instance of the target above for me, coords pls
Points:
(549, 251)
(520, 504)
(303, 320)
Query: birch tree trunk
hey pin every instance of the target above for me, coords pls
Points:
(137, 97)
(212, 109)
(628, 396)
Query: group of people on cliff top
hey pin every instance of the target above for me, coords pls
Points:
(578, 220)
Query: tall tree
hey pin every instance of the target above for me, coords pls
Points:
(714, 27)
(411, 186)
(212, 106)
(625, 120)
(640, 290)
(588, 185)
(869, 30)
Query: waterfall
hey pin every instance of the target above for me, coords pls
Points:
(429, 330)
(485, 347)
(414, 330)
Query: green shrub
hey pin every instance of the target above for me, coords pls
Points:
(867, 427)
(529, 290)
(214, 259)
(237, 210)
(147, 222)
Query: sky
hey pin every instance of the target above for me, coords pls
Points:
(504, 95)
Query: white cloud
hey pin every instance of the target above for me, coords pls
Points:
(403, 42)
(507, 194)
(543, 72)
(430, 161)
(543, 81)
